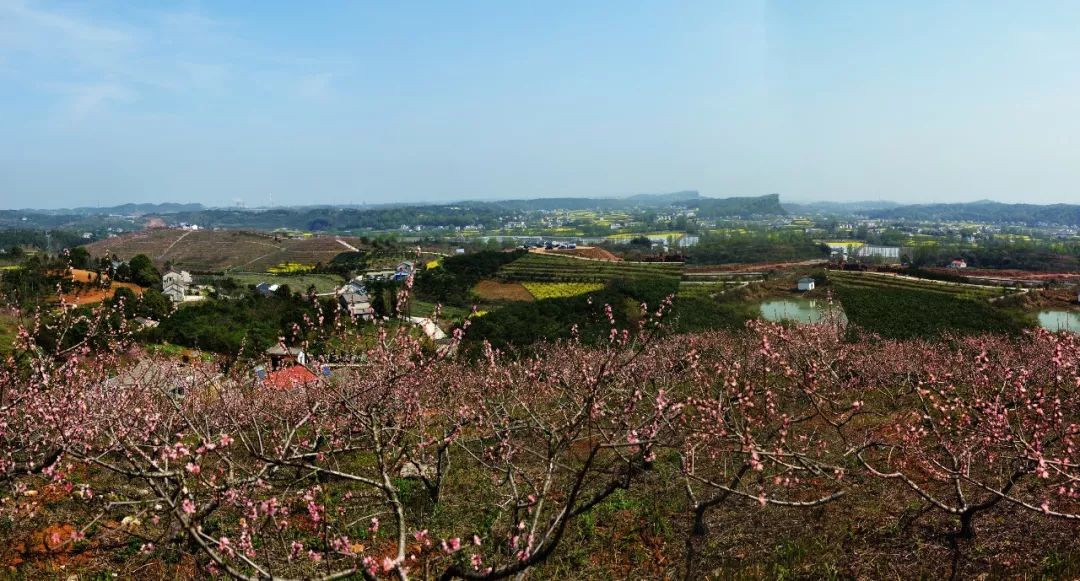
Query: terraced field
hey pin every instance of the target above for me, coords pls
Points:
(217, 251)
(874, 281)
(548, 268)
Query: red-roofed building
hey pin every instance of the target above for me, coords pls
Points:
(291, 377)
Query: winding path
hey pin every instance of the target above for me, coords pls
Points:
(182, 236)
(347, 245)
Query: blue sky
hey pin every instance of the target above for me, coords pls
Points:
(350, 102)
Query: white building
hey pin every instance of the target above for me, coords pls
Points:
(806, 284)
(175, 285)
(889, 253)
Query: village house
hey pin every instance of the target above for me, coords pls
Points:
(288, 368)
(355, 285)
(290, 377)
(146, 323)
(266, 289)
(403, 270)
(358, 305)
(806, 283)
(175, 285)
(282, 356)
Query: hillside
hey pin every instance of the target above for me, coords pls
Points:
(213, 251)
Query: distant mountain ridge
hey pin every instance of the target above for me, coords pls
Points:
(122, 209)
(846, 208)
(985, 211)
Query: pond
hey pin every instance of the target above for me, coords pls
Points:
(1060, 320)
(800, 310)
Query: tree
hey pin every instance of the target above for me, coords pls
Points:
(990, 422)
(143, 272)
(155, 305)
(79, 257)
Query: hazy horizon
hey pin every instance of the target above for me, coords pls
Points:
(783, 200)
(111, 103)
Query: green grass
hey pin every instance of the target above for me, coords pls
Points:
(9, 327)
(324, 283)
(448, 313)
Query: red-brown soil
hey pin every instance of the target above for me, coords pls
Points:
(492, 290)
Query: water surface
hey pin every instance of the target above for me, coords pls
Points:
(1056, 320)
(795, 309)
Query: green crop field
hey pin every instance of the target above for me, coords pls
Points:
(902, 309)
(548, 268)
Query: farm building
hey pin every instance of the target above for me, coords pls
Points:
(806, 283)
(958, 263)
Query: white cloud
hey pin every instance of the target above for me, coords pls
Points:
(315, 87)
(31, 32)
(89, 99)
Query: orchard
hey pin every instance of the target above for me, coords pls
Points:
(774, 450)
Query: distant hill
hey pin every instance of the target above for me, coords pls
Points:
(986, 211)
(639, 200)
(838, 208)
(485, 214)
(215, 251)
(768, 205)
(124, 209)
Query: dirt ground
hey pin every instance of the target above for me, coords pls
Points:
(589, 252)
(756, 266)
(1011, 274)
(90, 296)
(491, 290)
(1058, 298)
